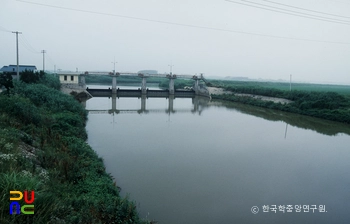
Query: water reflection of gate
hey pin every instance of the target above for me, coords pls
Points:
(199, 104)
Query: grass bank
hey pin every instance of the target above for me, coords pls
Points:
(331, 105)
(43, 148)
(285, 86)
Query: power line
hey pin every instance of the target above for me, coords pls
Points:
(27, 45)
(50, 59)
(5, 30)
(185, 25)
(47, 56)
(304, 15)
(338, 1)
(306, 9)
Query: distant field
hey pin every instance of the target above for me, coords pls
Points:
(285, 86)
(331, 102)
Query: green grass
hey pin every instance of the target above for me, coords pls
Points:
(43, 148)
(341, 89)
(331, 102)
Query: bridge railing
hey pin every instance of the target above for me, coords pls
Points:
(163, 75)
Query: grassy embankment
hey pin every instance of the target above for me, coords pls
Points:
(43, 148)
(331, 102)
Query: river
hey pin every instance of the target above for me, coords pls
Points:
(194, 161)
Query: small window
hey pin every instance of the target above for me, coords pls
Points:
(65, 78)
(71, 78)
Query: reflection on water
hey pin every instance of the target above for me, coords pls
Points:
(201, 103)
(198, 105)
(196, 161)
(319, 125)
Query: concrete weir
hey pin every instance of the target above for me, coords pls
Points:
(139, 93)
(196, 90)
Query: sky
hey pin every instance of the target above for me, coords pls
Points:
(257, 39)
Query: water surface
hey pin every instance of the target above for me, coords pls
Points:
(211, 162)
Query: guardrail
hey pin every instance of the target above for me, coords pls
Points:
(164, 75)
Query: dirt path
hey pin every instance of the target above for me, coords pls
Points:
(218, 91)
(221, 91)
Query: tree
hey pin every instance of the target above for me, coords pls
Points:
(29, 76)
(6, 81)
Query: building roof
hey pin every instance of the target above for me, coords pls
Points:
(33, 66)
(21, 68)
(69, 74)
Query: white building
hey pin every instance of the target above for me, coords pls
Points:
(69, 78)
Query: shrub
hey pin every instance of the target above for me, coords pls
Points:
(50, 81)
(29, 76)
(6, 81)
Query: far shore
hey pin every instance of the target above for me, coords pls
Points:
(221, 91)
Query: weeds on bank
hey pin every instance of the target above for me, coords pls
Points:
(327, 105)
(43, 148)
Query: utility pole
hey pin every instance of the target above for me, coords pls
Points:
(114, 79)
(16, 32)
(290, 83)
(43, 51)
(171, 68)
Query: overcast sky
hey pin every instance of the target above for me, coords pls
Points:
(214, 37)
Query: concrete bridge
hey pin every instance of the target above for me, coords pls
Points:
(197, 89)
(199, 104)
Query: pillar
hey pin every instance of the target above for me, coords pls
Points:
(171, 104)
(82, 80)
(143, 103)
(196, 85)
(195, 102)
(114, 84)
(171, 84)
(114, 102)
(143, 86)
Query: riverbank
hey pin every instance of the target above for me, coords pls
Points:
(326, 105)
(43, 149)
(221, 91)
